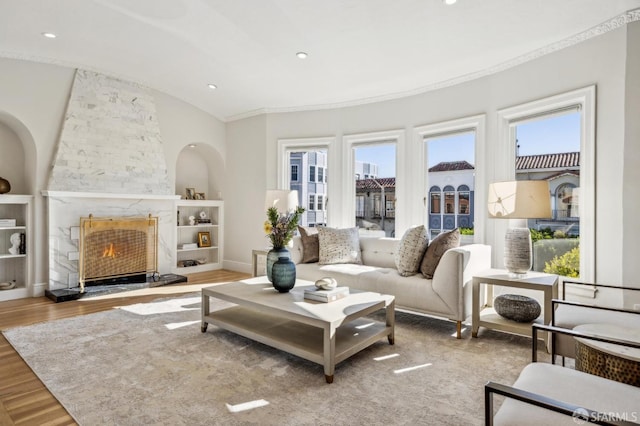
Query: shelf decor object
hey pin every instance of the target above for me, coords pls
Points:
(5, 186)
(283, 214)
(517, 307)
(523, 199)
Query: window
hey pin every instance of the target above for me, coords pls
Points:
(359, 205)
(464, 206)
(304, 153)
(376, 205)
(449, 200)
(449, 163)
(312, 173)
(312, 202)
(294, 173)
(320, 200)
(320, 175)
(559, 128)
(371, 160)
(435, 198)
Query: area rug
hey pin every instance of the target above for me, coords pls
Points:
(149, 364)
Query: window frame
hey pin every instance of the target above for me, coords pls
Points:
(421, 135)
(353, 141)
(584, 100)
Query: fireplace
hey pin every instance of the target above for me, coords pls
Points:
(114, 250)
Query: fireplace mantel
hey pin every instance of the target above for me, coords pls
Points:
(75, 194)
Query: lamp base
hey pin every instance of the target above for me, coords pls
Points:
(517, 251)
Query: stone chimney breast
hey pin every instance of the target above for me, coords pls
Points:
(110, 140)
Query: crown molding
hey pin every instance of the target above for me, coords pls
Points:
(603, 28)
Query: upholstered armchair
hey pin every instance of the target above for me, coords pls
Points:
(546, 394)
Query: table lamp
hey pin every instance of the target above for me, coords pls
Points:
(284, 200)
(521, 199)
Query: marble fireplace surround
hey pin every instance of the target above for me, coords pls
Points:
(64, 210)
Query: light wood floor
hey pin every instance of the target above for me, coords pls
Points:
(23, 398)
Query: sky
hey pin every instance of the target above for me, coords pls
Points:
(556, 134)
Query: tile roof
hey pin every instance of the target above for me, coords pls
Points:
(548, 161)
(450, 166)
(370, 184)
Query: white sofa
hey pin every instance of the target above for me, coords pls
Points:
(447, 295)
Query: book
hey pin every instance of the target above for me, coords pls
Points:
(326, 295)
(189, 246)
(5, 223)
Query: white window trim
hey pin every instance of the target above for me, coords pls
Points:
(350, 142)
(328, 143)
(585, 100)
(419, 210)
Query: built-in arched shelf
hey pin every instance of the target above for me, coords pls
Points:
(18, 159)
(201, 167)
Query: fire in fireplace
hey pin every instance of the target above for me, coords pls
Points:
(117, 249)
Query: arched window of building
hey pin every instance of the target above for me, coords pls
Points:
(464, 206)
(435, 199)
(566, 201)
(449, 200)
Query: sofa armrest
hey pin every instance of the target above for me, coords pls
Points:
(453, 275)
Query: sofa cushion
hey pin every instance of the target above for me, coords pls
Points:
(435, 250)
(310, 244)
(411, 250)
(339, 246)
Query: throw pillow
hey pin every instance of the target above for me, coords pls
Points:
(339, 246)
(411, 250)
(436, 249)
(310, 244)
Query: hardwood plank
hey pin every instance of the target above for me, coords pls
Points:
(24, 400)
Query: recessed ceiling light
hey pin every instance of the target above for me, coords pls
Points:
(302, 55)
(212, 86)
(49, 35)
(449, 2)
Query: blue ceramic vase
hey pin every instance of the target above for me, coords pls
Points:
(272, 257)
(283, 274)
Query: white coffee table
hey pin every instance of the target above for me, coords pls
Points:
(324, 333)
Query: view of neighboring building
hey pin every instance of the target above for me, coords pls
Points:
(365, 170)
(562, 171)
(451, 201)
(451, 196)
(308, 176)
(376, 204)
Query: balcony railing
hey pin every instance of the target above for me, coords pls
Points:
(564, 215)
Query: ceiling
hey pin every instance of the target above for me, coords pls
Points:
(358, 50)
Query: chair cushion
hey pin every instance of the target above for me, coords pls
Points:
(570, 386)
(339, 246)
(411, 251)
(435, 250)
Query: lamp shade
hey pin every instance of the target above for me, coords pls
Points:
(521, 199)
(284, 200)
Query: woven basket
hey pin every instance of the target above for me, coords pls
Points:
(516, 307)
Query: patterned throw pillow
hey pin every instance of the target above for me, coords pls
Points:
(440, 244)
(310, 244)
(411, 250)
(339, 246)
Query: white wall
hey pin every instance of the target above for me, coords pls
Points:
(631, 176)
(571, 68)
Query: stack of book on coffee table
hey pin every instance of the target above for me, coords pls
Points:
(326, 295)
